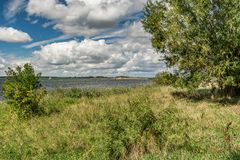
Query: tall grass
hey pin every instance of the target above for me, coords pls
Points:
(58, 99)
(142, 123)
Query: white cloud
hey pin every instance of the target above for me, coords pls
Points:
(34, 22)
(82, 53)
(2, 63)
(12, 35)
(40, 43)
(130, 56)
(86, 17)
(12, 61)
(47, 24)
(13, 7)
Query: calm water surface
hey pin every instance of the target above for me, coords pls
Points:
(54, 83)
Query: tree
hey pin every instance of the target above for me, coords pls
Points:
(201, 38)
(22, 89)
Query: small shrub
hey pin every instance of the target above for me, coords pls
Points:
(165, 123)
(171, 130)
(126, 127)
(22, 89)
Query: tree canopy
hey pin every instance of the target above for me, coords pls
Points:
(201, 38)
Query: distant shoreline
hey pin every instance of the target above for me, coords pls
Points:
(117, 77)
(51, 83)
(130, 78)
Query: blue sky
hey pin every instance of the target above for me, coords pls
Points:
(77, 37)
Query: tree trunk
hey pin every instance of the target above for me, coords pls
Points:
(231, 91)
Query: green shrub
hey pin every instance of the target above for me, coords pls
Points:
(22, 89)
(171, 130)
(165, 78)
(127, 126)
(165, 124)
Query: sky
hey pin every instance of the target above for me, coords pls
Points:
(77, 38)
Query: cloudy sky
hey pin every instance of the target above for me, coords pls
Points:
(77, 37)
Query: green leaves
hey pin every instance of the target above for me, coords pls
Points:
(201, 38)
(22, 89)
(165, 79)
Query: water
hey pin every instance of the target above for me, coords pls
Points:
(54, 83)
(92, 82)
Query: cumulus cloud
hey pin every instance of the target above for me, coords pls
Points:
(108, 50)
(87, 53)
(12, 35)
(12, 61)
(13, 7)
(130, 56)
(84, 17)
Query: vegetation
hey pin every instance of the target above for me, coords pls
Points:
(165, 78)
(22, 89)
(200, 38)
(56, 100)
(146, 123)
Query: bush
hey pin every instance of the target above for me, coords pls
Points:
(126, 128)
(165, 78)
(22, 89)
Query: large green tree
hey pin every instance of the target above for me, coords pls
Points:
(201, 38)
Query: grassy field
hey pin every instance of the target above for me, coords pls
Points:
(148, 123)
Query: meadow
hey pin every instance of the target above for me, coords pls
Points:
(148, 123)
